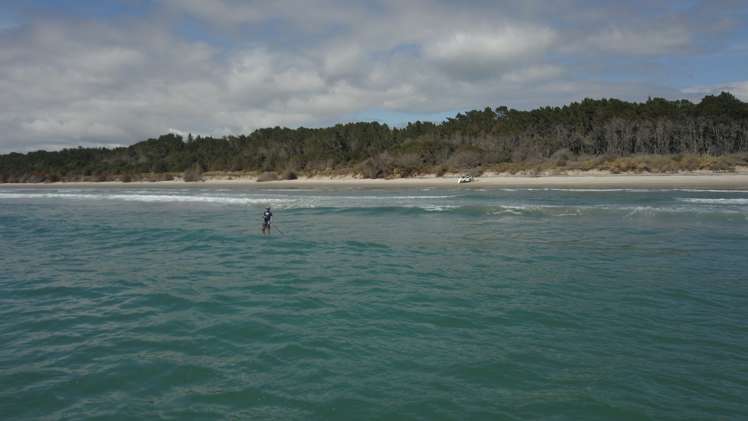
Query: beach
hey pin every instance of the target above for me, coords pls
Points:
(736, 180)
(597, 180)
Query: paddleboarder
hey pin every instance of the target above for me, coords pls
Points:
(266, 217)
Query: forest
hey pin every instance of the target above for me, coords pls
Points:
(657, 135)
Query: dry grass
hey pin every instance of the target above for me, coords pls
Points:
(637, 164)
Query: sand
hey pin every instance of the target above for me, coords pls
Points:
(585, 180)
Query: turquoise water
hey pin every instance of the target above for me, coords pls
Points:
(134, 302)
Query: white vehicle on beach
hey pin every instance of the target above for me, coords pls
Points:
(464, 179)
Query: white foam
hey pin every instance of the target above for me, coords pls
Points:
(427, 203)
(518, 209)
(566, 210)
(583, 190)
(592, 190)
(644, 210)
(384, 197)
(166, 198)
(437, 208)
(711, 191)
(630, 190)
(714, 201)
(508, 210)
(284, 190)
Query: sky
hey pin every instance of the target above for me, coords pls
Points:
(115, 72)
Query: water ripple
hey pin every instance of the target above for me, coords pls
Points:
(507, 304)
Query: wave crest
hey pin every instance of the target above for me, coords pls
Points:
(714, 201)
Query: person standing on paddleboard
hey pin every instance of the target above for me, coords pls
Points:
(266, 217)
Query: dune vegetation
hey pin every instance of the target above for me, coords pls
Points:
(657, 136)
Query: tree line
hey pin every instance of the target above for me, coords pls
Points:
(478, 139)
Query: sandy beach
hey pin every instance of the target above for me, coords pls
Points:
(738, 180)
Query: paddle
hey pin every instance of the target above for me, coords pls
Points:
(281, 232)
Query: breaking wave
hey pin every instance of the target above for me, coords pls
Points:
(144, 198)
(715, 201)
(470, 204)
(427, 203)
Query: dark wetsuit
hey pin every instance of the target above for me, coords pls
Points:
(266, 217)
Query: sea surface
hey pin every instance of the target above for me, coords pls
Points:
(462, 303)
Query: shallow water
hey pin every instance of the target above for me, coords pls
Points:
(415, 303)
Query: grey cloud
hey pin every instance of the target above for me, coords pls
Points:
(70, 82)
(739, 89)
(480, 54)
(647, 41)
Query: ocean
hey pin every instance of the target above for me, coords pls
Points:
(131, 302)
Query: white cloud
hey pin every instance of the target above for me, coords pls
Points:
(482, 54)
(342, 60)
(70, 82)
(507, 43)
(534, 73)
(739, 89)
(220, 11)
(661, 39)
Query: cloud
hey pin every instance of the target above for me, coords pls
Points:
(534, 73)
(647, 41)
(311, 15)
(739, 89)
(91, 84)
(481, 54)
(227, 66)
(508, 43)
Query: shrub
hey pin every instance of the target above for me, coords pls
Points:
(408, 164)
(379, 166)
(289, 175)
(464, 159)
(153, 177)
(690, 163)
(475, 172)
(194, 173)
(267, 176)
(35, 178)
(370, 168)
(722, 163)
(562, 154)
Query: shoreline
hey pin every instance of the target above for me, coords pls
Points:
(589, 180)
